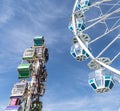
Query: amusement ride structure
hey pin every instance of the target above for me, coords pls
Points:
(32, 73)
(88, 18)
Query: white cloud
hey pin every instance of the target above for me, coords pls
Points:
(2, 107)
(3, 104)
(95, 102)
(81, 104)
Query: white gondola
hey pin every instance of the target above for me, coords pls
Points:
(78, 52)
(83, 5)
(29, 54)
(79, 25)
(101, 82)
(19, 89)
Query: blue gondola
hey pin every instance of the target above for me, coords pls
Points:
(101, 83)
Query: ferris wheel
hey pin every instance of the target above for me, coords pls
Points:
(26, 94)
(95, 26)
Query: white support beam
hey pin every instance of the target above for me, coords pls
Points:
(108, 46)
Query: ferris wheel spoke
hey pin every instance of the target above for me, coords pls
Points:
(111, 18)
(103, 35)
(115, 23)
(113, 6)
(115, 57)
(98, 18)
(108, 46)
(102, 18)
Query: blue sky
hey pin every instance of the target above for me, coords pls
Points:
(67, 88)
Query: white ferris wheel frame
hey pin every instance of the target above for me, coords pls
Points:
(83, 45)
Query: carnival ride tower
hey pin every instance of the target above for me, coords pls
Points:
(32, 73)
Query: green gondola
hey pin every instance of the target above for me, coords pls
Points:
(38, 41)
(24, 70)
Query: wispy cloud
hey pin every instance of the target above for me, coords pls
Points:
(103, 102)
(2, 107)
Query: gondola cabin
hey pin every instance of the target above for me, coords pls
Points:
(79, 25)
(24, 70)
(83, 5)
(29, 54)
(38, 41)
(101, 83)
(78, 52)
(18, 90)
